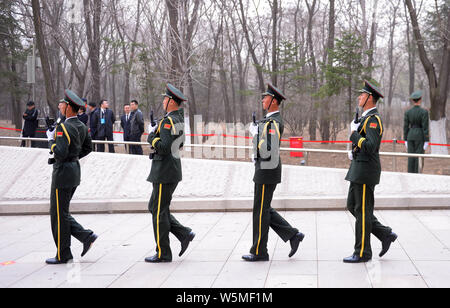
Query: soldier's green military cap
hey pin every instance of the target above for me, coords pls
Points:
(416, 95)
(274, 92)
(371, 89)
(72, 98)
(174, 94)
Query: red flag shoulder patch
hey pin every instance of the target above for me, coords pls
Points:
(59, 134)
(167, 126)
(373, 125)
(272, 131)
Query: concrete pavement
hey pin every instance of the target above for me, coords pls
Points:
(420, 257)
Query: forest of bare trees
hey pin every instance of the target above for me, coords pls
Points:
(221, 53)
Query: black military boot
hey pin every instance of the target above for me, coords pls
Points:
(295, 242)
(255, 258)
(88, 243)
(155, 259)
(356, 259)
(55, 261)
(186, 242)
(386, 243)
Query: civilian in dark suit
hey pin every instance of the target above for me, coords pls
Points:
(103, 120)
(31, 123)
(92, 107)
(136, 127)
(125, 123)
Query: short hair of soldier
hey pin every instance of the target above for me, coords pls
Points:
(101, 102)
(74, 107)
(135, 101)
(93, 105)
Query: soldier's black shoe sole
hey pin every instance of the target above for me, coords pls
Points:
(356, 259)
(185, 243)
(88, 244)
(386, 244)
(55, 261)
(155, 259)
(295, 242)
(255, 258)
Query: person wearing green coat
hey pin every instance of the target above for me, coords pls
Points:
(266, 146)
(364, 174)
(166, 139)
(415, 131)
(69, 141)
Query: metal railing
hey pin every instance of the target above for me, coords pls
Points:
(394, 155)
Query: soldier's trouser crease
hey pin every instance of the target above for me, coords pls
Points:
(63, 224)
(360, 203)
(264, 216)
(163, 222)
(414, 146)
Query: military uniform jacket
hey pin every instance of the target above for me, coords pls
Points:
(366, 167)
(415, 125)
(71, 143)
(266, 149)
(167, 141)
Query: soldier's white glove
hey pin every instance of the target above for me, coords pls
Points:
(425, 146)
(253, 158)
(406, 145)
(253, 129)
(354, 126)
(152, 129)
(51, 134)
(350, 155)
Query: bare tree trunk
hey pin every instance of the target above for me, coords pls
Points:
(251, 48)
(210, 75)
(325, 110)
(373, 35)
(49, 87)
(237, 43)
(438, 86)
(411, 53)
(15, 100)
(223, 78)
(274, 5)
(392, 63)
(313, 109)
(93, 8)
(175, 44)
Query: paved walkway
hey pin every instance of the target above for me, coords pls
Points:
(420, 257)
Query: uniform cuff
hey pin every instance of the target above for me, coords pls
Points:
(260, 144)
(155, 141)
(361, 140)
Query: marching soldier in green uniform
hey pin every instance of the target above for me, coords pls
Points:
(266, 143)
(69, 142)
(415, 131)
(166, 138)
(364, 175)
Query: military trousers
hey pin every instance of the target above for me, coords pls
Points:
(265, 217)
(414, 146)
(163, 222)
(63, 224)
(360, 203)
